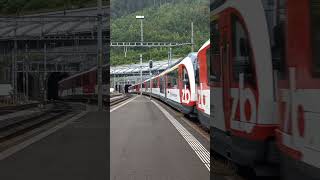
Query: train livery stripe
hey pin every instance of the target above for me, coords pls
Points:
(196, 146)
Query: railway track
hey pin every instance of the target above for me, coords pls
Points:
(12, 128)
(118, 99)
(10, 109)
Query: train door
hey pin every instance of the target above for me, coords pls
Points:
(185, 93)
(180, 80)
(225, 70)
(299, 99)
(225, 40)
(240, 46)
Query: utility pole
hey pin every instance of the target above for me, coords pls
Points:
(99, 63)
(15, 86)
(114, 81)
(27, 73)
(192, 38)
(141, 29)
(24, 77)
(14, 68)
(45, 74)
(141, 74)
(141, 26)
(150, 73)
(170, 55)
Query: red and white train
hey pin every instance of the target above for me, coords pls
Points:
(176, 85)
(299, 91)
(264, 77)
(82, 85)
(265, 93)
(185, 85)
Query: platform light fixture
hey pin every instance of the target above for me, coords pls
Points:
(141, 26)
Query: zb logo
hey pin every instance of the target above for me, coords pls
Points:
(185, 95)
(201, 98)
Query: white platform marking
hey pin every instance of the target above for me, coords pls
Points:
(196, 146)
(111, 110)
(38, 137)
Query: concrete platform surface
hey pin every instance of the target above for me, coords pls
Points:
(146, 146)
(79, 151)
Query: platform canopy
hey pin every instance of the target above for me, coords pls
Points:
(134, 69)
(60, 25)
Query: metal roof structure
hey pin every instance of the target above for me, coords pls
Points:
(133, 69)
(61, 41)
(60, 25)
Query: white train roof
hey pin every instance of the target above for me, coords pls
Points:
(135, 68)
(204, 45)
(184, 61)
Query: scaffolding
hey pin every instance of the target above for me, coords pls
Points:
(63, 41)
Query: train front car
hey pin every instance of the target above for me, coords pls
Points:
(180, 85)
(202, 82)
(244, 123)
(299, 89)
(78, 85)
(82, 85)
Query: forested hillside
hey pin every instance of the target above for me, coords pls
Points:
(124, 7)
(170, 22)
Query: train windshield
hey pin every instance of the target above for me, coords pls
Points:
(186, 82)
(275, 11)
(215, 66)
(196, 70)
(216, 3)
(315, 36)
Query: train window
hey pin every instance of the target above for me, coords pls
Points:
(185, 78)
(241, 60)
(148, 84)
(172, 79)
(85, 79)
(78, 81)
(315, 36)
(155, 83)
(105, 76)
(215, 64)
(175, 76)
(275, 12)
(162, 83)
(197, 71)
(278, 50)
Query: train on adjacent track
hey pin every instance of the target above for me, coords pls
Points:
(83, 85)
(259, 80)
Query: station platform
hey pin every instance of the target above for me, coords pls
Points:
(148, 144)
(79, 150)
